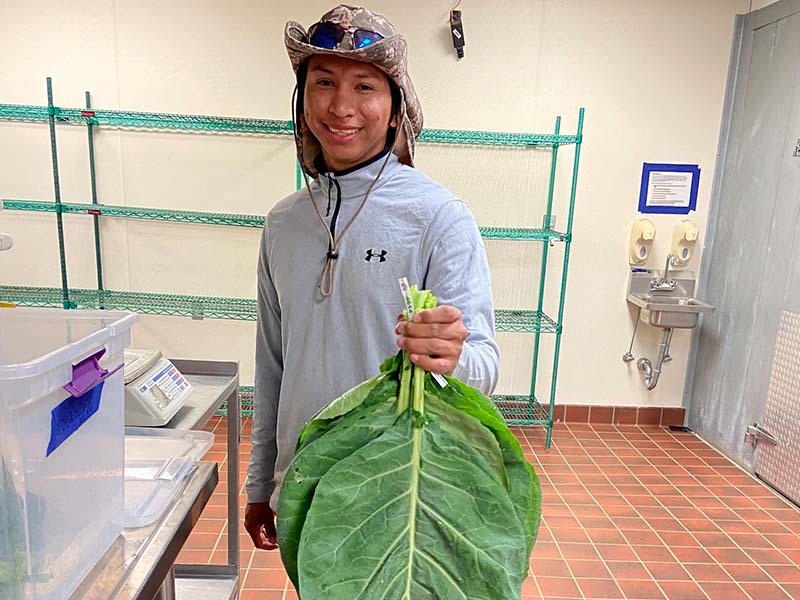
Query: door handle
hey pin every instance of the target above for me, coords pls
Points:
(757, 433)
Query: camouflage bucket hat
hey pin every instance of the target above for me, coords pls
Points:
(388, 53)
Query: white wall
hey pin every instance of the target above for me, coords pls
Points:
(651, 75)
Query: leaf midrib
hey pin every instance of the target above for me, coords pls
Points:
(414, 500)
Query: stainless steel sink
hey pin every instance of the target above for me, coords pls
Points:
(675, 312)
(665, 300)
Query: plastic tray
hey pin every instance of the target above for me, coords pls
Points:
(156, 463)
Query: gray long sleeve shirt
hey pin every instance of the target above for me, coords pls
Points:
(311, 349)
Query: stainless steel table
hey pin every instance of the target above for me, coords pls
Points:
(141, 559)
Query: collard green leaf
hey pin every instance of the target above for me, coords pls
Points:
(353, 398)
(401, 489)
(460, 423)
(392, 364)
(349, 400)
(414, 514)
(380, 389)
(524, 487)
(350, 433)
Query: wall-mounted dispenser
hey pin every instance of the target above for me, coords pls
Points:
(643, 232)
(684, 239)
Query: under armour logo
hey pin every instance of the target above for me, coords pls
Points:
(379, 255)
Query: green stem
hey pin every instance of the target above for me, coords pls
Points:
(408, 397)
(418, 396)
(404, 394)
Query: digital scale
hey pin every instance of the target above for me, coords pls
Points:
(154, 388)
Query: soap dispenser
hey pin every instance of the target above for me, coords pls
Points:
(684, 238)
(643, 232)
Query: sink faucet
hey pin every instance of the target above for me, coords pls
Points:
(669, 263)
(664, 283)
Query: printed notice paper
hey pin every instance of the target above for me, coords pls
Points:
(667, 188)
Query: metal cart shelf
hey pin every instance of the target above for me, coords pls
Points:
(524, 409)
(214, 383)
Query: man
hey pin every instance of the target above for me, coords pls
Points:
(332, 253)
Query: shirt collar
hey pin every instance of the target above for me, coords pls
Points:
(355, 181)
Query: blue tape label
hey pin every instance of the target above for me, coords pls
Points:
(67, 417)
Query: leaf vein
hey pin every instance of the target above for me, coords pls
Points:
(443, 520)
(430, 559)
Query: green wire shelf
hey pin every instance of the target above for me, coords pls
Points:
(494, 138)
(517, 410)
(245, 403)
(146, 120)
(132, 212)
(522, 410)
(210, 307)
(210, 124)
(197, 307)
(246, 394)
(524, 321)
(521, 234)
(230, 219)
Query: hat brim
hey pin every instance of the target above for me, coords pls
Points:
(390, 56)
(383, 54)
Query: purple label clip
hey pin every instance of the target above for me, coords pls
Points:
(86, 389)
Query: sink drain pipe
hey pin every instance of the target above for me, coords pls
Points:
(652, 374)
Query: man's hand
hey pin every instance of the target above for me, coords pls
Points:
(259, 521)
(434, 338)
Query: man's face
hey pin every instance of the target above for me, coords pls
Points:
(348, 107)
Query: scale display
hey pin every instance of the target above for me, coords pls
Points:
(154, 389)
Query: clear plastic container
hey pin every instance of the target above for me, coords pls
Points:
(156, 463)
(61, 446)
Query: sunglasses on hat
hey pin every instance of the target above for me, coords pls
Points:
(329, 35)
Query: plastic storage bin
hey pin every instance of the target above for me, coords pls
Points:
(61, 446)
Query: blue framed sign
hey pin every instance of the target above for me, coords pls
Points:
(669, 189)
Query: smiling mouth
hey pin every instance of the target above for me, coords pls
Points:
(341, 132)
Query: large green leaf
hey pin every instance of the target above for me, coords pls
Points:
(524, 487)
(351, 399)
(402, 490)
(414, 514)
(374, 391)
(350, 433)
(392, 364)
(460, 423)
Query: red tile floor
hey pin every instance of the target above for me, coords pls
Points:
(629, 512)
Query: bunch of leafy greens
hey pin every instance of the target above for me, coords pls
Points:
(402, 489)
